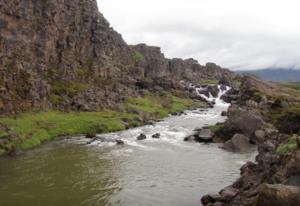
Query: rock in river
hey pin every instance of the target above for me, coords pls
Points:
(141, 137)
(205, 135)
(120, 142)
(156, 136)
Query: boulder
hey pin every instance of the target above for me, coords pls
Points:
(244, 121)
(210, 198)
(238, 143)
(120, 142)
(223, 87)
(141, 137)
(191, 138)
(213, 90)
(224, 114)
(205, 135)
(228, 193)
(259, 135)
(90, 135)
(156, 136)
(278, 195)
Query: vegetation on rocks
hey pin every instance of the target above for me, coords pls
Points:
(208, 81)
(287, 147)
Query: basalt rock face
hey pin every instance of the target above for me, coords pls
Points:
(156, 65)
(46, 44)
(64, 54)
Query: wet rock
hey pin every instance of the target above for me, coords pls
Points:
(191, 138)
(238, 143)
(228, 193)
(205, 135)
(90, 135)
(213, 90)
(278, 195)
(15, 152)
(141, 137)
(224, 114)
(126, 124)
(156, 136)
(210, 198)
(249, 166)
(120, 142)
(223, 87)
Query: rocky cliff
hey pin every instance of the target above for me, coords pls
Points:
(64, 54)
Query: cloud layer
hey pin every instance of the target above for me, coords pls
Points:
(237, 34)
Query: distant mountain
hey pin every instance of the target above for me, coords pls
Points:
(277, 75)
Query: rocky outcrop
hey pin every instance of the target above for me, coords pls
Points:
(64, 55)
(273, 179)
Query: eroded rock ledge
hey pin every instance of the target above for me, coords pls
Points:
(261, 110)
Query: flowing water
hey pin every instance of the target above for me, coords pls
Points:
(153, 172)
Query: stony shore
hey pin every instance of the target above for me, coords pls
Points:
(267, 115)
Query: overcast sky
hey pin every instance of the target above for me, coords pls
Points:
(237, 34)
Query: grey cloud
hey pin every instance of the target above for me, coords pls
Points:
(213, 31)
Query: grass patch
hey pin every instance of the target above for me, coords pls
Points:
(160, 106)
(208, 81)
(215, 128)
(285, 148)
(35, 128)
(138, 57)
(3, 134)
(292, 85)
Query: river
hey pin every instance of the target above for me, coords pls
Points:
(153, 172)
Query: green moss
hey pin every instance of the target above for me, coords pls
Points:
(3, 134)
(2, 152)
(285, 148)
(69, 88)
(209, 81)
(215, 128)
(138, 57)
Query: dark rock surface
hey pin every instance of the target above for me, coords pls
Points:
(141, 137)
(238, 142)
(156, 136)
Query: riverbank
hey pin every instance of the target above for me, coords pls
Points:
(267, 114)
(151, 172)
(29, 130)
